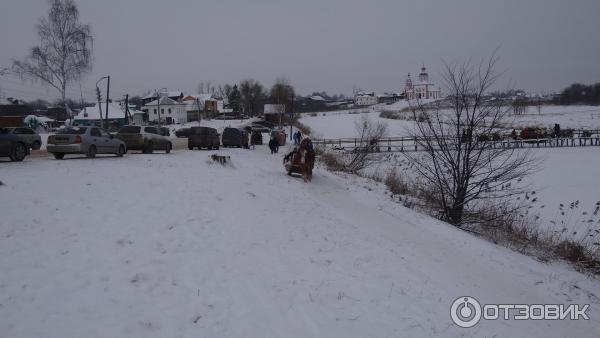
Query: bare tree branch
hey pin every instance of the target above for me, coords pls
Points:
(459, 165)
(64, 54)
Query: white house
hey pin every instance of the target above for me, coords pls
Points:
(365, 99)
(422, 90)
(91, 115)
(168, 110)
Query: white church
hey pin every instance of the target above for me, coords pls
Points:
(422, 90)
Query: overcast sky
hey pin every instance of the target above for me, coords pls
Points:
(333, 45)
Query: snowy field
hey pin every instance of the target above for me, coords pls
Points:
(562, 194)
(342, 124)
(175, 246)
(576, 117)
(568, 176)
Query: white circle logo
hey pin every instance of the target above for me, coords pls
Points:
(465, 311)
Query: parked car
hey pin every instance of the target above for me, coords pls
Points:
(84, 140)
(259, 128)
(144, 138)
(234, 137)
(164, 131)
(12, 146)
(264, 123)
(27, 135)
(203, 137)
(183, 132)
(226, 117)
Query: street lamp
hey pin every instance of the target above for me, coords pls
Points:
(100, 97)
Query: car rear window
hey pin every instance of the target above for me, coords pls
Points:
(72, 131)
(201, 130)
(151, 130)
(130, 130)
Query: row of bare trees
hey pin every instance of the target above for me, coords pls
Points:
(249, 95)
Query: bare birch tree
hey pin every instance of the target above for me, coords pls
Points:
(64, 53)
(461, 164)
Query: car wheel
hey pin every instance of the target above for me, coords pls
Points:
(36, 145)
(121, 151)
(58, 156)
(190, 147)
(217, 148)
(169, 147)
(18, 152)
(91, 153)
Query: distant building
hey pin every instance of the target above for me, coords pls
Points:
(173, 95)
(167, 110)
(365, 99)
(12, 112)
(201, 106)
(389, 98)
(422, 90)
(90, 116)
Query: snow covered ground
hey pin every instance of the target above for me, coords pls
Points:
(567, 176)
(576, 117)
(562, 194)
(176, 246)
(341, 124)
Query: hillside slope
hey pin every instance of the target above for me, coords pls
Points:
(175, 246)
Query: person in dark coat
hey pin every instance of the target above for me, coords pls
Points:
(556, 130)
(297, 137)
(273, 145)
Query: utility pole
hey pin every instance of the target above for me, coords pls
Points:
(198, 103)
(292, 118)
(99, 97)
(158, 106)
(107, 99)
(127, 108)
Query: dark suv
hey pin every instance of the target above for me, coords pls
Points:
(203, 137)
(234, 137)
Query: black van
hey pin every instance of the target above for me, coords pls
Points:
(203, 137)
(234, 137)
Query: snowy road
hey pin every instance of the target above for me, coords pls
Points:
(174, 246)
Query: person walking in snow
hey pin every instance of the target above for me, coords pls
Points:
(297, 137)
(273, 145)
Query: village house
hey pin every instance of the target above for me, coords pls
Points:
(90, 116)
(173, 95)
(201, 106)
(365, 99)
(166, 110)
